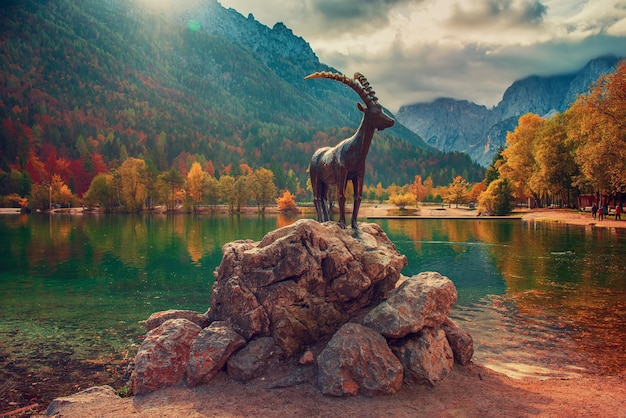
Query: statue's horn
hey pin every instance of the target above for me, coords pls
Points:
(365, 93)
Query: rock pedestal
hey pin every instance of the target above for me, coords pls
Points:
(311, 297)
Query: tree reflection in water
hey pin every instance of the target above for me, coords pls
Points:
(539, 298)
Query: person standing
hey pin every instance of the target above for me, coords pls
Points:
(594, 211)
(600, 213)
(618, 212)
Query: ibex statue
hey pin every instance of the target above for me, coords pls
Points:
(346, 161)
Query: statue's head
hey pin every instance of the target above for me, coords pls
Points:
(374, 112)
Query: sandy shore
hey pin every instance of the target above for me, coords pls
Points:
(471, 391)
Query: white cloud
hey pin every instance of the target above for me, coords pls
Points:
(417, 50)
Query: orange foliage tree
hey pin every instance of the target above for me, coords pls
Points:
(286, 202)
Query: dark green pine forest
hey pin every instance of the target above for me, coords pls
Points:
(86, 85)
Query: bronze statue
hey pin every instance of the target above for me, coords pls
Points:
(346, 161)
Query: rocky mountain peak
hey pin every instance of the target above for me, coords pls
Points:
(459, 125)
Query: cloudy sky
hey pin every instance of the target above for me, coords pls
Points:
(418, 50)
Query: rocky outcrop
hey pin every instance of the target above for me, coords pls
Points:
(312, 303)
(303, 282)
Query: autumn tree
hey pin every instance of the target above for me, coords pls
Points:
(418, 190)
(101, 192)
(457, 191)
(241, 192)
(173, 182)
(476, 191)
(262, 188)
(519, 159)
(402, 200)
(227, 191)
(598, 130)
(211, 191)
(40, 197)
(498, 198)
(131, 181)
(196, 184)
(61, 193)
(555, 165)
(286, 203)
(380, 193)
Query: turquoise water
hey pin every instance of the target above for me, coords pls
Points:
(539, 299)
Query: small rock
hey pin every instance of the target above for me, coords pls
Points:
(251, 362)
(307, 358)
(460, 341)
(94, 394)
(210, 351)
(426, 356)
(157, 318)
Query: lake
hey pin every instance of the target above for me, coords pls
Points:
(540, 299)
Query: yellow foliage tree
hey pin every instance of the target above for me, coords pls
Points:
(418, 189)
(61, 194)
(195, 184)
(286, 202)
(457, 191)
(519, 160)
(598, 129)
(227, 190)
(262, 187)
(132, 179)
(402, 200)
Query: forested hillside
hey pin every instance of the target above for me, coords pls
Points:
(86, 85)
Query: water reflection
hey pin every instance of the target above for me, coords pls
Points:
(544, 295)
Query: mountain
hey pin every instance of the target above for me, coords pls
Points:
(84, 85)
(459, 125)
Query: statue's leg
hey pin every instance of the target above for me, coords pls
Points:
(341, 193)
(318, 208)
(324, 203)
(357, 185)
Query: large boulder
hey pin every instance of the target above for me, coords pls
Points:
(425, 356)
(304, 281)
(163, 356)
(420, 301)
(210, 351)
(356, 361)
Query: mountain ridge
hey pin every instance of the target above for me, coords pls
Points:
(479, 131)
